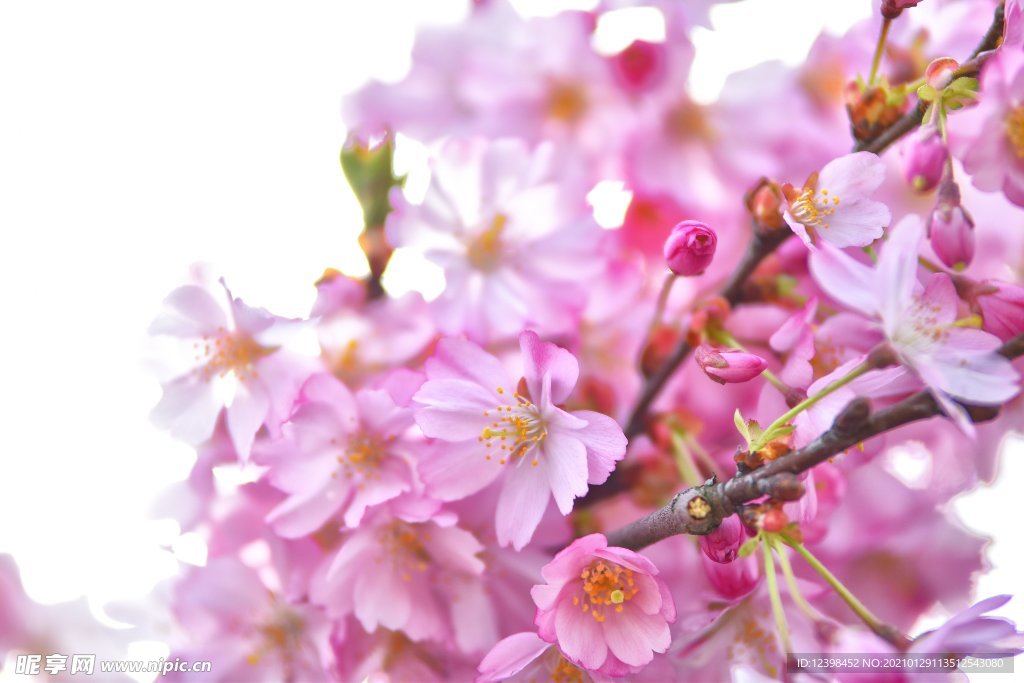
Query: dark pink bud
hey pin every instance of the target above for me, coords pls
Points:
(951, 229)
(690, 248)
(722, 544)
(892, 8)
(1002, 308)
(735, 579)
(729, 365)
(641, 66)
(924, 160)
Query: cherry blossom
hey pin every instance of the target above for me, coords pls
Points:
(834, 205)
(493, 428)
(605, 607)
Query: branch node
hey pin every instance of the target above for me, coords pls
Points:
(852, 417)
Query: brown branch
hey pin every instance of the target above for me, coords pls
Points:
(701, 509)
(912, 119)
(760, 247)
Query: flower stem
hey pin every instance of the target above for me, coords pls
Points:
(702, 453)
(874, 623)
(877, 60)
(659, 310)
(684, 461)
(811, 400)
(776, 599)
(794, 590)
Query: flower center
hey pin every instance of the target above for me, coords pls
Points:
(363, 454)
(565, 671)
(516, 430)
(282, 632)
(566, 102)
(605, 584)
(484, 252)
(921, 329)
(688, 121)
(402, 542)
(227, 352)
(813, 207)
(1015, 130)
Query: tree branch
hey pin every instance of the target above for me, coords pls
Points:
(764, 242)
(912, 119)
(701, 509)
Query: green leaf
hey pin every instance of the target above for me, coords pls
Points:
(927, 93)
(748, 548)
(778, 433)
(741, 426)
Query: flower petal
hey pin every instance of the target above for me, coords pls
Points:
(544, 358)
(521, 504)
(566, 458)
(605, 442)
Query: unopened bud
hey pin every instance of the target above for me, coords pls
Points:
(734, 579)
(940, 72)
(892, 8)
(1002, 308)
(774, 520)
(871, 110)
(924, 159)
(729, 365)
(951, 229)
(690, 248)
(722, 544)
(660, 345)
(765, 203)
(641, 66)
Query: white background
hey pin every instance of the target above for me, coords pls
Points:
(139, 137)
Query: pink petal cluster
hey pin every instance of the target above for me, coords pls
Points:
(371, 496)
(605, 607)
(834, 205)
(492, 428)
(233, 344)
(919, 321)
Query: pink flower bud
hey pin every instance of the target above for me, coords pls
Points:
(951, 229)
(924, 160)
(641, 66)
(940, 72)
(728, 365)
(734, 579)
(1002, 308)
(892, 8)
(690, 248)
(722, 544)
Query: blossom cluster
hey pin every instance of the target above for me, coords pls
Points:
(430, 485)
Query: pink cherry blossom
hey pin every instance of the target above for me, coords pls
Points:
(234, 347)
(248, 631)
(1002, 308)
(524, 657)
(919, 322)
(490, 428)
(834, 205)
(341, 454)
(409, 567)
(993, 150)
(971, 633)
(606, 607)
(514, 245)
